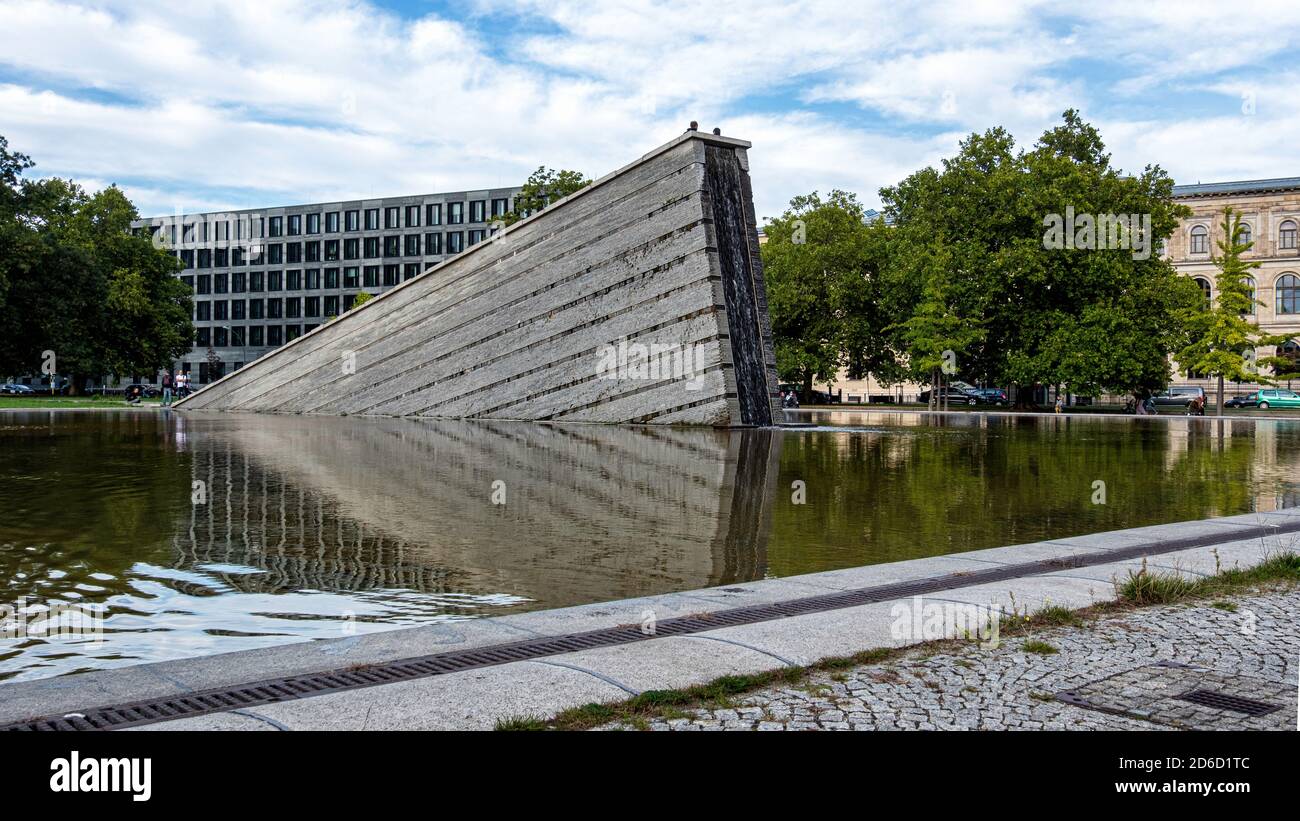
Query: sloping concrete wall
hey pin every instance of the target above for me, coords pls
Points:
(637, 299)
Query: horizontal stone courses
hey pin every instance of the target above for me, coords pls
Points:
(649, 183)
(616, 293)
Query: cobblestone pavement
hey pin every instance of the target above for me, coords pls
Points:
(1009, 688)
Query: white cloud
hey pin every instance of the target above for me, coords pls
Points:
(261, 102)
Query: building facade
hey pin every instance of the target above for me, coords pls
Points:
(263, 277)
(1270, 212)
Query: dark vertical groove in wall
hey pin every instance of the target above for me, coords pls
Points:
(723, 179)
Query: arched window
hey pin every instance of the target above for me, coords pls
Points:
(1200, 240)
(1245, 236)
(1288, 294)
(1286, 234)
(1288, 350)
(1205, 288)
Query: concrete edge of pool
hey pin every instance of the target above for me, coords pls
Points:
(476, 698)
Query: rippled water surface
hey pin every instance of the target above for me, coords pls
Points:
(202, 533)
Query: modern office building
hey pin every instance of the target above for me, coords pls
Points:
(262, 277)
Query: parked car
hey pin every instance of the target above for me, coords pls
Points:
(1181, 396)
(992, 396)
(1242, 400)
(14, 389)
(143, 390)
(1277, 398)
(954, 394)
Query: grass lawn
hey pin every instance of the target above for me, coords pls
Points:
(43, 402)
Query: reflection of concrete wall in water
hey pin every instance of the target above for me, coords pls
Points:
(660, 255)
(591, 512)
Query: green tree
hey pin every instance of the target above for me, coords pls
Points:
(1095, 315)
(543, 187)
(937, 338)
(1223, 340)
(820, 265)
(81, 284)
(361, 299)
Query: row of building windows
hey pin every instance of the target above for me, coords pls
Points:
(1286, 292)
(309, 279)
(409, 245)
(250, 226)
(1200, 236)
(253, 336)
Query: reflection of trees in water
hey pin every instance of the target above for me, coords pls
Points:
(989, 482)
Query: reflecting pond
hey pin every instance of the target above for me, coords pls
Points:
(203, 533)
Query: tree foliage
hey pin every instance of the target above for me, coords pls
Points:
(76, 281)
(543, 187)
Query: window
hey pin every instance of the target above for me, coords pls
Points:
(274, 308)
(220, 338)
(412, 245)
(313, 223)
(332, 222)
(203, 338)
(393, 217)
(352, 221)
(478, 211)
(1205, 288)
(455, 213)
(350, 277)
(188, 282)
(237, 339)
(203, 311)
(221, 310)
(221, 258)
(274, 254)
(1250, 290)
(392, 273)
(331, 277)
(256, 309)
(331, 306)
(293, 307)
(411, 271)
(220, 283)
(255, 281)
(293, 252)
(352, 249)
(205, 258)
(455, 242)
(295, 225)
(275, 226)
(255, 336)
(331, 250)
(476, 236)
(1287, 289)
(237, 257)
(1200, 240)
(432, 244)
(433, 214)
(1288, 350)
(274, 335)
(311, 306)
(372, 248)
(312, 251)
(392, 246)
(237, 309)
(293, 280)
(371, 279)
(1286, 235)
(372, 219)
(412, 216)
(205, 284)
(311, 279)
(348, 300)
(274, 281)
(500, 207)
(238, 282)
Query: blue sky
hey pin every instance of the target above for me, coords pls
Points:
(244, 104)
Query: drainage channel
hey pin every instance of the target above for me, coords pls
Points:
(288, 688)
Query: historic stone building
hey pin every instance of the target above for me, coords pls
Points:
(1270, 210)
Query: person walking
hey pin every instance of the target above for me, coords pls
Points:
(166, 388)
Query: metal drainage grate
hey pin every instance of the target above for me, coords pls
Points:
(270, 691)
(1223, 701)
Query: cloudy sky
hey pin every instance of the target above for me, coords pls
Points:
(196, 105)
